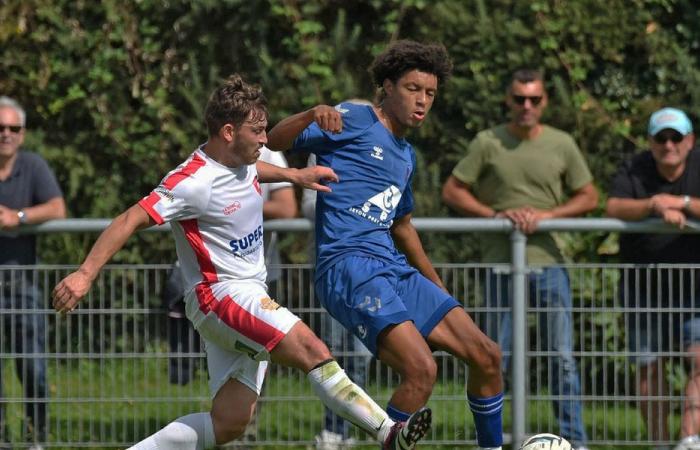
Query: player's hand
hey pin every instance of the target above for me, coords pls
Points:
(674, 217)
(328, 118)
(8, 218)
(70, 291)
(313, 177)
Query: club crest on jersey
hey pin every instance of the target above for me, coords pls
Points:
(232, 208)
(256, 185)
(377, 153)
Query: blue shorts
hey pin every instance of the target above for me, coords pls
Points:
(367, 295)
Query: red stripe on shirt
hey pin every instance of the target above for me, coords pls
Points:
(194, 237)
(148, 204)
(238, 318)
(190, 168)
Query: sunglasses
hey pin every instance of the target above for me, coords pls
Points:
(534, 99)
(662, 138)
(13, 128)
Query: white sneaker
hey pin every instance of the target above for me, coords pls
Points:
(36, 447)
(327, 440)
(689, 443)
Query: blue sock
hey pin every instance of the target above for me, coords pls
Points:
(396, 414)
(487, 419)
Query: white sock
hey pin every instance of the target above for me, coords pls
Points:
(348, 400)
(191, 432)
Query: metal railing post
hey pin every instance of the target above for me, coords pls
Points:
(519, 280)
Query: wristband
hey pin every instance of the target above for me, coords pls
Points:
(686, 202)
(22, 216)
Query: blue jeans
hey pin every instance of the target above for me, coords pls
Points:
(549, 291)
(355, 364)
(24, 333)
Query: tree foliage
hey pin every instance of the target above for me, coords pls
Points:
(115, 89)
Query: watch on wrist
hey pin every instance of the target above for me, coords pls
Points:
(22, 217)
(686, 202)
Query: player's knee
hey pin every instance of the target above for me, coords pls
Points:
(422, 371)
(488, 357)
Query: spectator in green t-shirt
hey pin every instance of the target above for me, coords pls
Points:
(526, 171)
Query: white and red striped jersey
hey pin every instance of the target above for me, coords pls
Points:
(216, 216)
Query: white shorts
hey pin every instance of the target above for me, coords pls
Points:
(240, 325)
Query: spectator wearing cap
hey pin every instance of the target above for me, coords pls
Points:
(662, 182)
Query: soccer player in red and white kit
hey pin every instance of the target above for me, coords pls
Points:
(214, 203)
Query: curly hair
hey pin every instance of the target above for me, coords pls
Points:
(232, 102)
(406, 55)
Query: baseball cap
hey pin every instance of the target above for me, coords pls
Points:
(672, 118)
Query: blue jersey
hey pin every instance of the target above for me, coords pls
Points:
(375, 170)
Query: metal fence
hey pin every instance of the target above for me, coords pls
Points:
(120, 367)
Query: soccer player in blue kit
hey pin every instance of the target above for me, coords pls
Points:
(393, 301)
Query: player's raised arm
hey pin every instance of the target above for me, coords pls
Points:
(73, 288)
(282, 135)
(308, 177)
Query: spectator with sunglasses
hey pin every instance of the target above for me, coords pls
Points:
(526, 171)
(29, 194)
(662, 182)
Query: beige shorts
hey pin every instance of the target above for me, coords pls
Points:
(240, 325)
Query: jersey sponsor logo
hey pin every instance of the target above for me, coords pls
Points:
(386, 201)
(256, 185)
(248, 243)
(269, 304)
(165, 193)
(377, 153)
(232, 208)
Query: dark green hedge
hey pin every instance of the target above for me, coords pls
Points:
(115, 89)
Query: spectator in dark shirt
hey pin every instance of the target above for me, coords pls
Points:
(29, 194)
(662, 182)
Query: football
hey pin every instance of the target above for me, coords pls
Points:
(545, 441)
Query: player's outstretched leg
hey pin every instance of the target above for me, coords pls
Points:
(301, 348)
(405, 435)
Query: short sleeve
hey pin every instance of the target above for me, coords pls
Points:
(577, 172)
(469, 168)
(183, 194)
(356, 118)
(621, 185)
(45, 185)
(276, 159)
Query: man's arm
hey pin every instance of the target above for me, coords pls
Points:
(55, 208)
(407, 240)
(582, 202)
(672, 209)
(73, 288)
(309, 177)
(281, 205)
(282, 135)
(457, 196)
